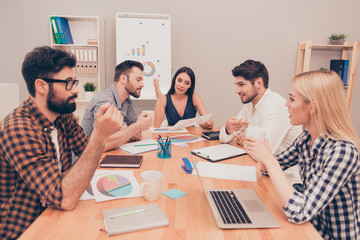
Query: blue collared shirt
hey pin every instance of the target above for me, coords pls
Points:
(110, 95)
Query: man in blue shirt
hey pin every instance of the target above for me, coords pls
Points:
(128, 81)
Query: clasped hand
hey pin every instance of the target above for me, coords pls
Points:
(108, 120)
(144, 121)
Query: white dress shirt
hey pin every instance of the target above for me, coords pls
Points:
(271, 114)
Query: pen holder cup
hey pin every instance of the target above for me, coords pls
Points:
(164, 149)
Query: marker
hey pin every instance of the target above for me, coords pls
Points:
(128, 213)
(149, 144)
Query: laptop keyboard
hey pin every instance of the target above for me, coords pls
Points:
(229, 207)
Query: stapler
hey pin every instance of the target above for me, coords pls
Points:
(187, 166)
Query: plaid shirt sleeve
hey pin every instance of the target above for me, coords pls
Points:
(27, 152)
(289, 157)
(75, 134)
(338, 165)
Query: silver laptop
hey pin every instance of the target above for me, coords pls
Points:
(237, 208)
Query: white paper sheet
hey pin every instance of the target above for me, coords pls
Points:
(168, 130)
(139, 147)
(191, 121)
(226, 171)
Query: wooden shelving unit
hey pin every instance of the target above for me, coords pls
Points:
(304, 56)
(82, 29)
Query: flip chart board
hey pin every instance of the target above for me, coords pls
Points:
(146, 38)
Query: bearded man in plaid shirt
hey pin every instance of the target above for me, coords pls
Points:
(39, 138)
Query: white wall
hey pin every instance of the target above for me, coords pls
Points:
(9, 98)
(210, 36)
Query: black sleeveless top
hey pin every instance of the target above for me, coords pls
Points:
(173, 116)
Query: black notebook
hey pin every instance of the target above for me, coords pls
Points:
(121, 161)
(212, 135)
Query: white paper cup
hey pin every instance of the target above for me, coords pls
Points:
(151, 182)
(256, 132)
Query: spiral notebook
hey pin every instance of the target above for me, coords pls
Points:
(218, 152)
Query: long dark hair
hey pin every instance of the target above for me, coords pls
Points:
(191, 74)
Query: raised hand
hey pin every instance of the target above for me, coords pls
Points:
(157, 88)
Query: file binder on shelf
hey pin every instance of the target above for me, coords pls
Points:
(76, 53)
(94, 62)
(82, 65)
(55, 30)
(64, 29)
(345, 72)
(341, 67)
(86, 59)
(61, 32)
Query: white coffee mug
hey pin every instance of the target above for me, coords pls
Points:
(151, 182)
(256, 132)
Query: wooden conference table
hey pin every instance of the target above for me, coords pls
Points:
(189, 217)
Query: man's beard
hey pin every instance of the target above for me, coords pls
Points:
(254, 94)
(58, 105)
(132, 91)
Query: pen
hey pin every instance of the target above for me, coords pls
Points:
(127, 213)
(149, 144)
(159, 138)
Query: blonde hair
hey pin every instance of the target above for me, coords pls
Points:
(325, 90)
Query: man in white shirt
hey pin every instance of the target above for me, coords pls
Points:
(263, 108)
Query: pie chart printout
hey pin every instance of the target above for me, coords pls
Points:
(114, 185)
(184, 138)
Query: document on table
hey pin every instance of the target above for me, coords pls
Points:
(168, 130)
(218, 152)
(226, 171)
(139, 147)
(191, 121)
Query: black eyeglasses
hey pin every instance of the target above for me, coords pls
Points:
(69, 83)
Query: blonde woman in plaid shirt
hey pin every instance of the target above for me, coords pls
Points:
(328, 154)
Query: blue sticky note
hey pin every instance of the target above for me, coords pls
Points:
(174, 193)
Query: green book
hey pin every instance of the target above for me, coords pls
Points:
(55, 30)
